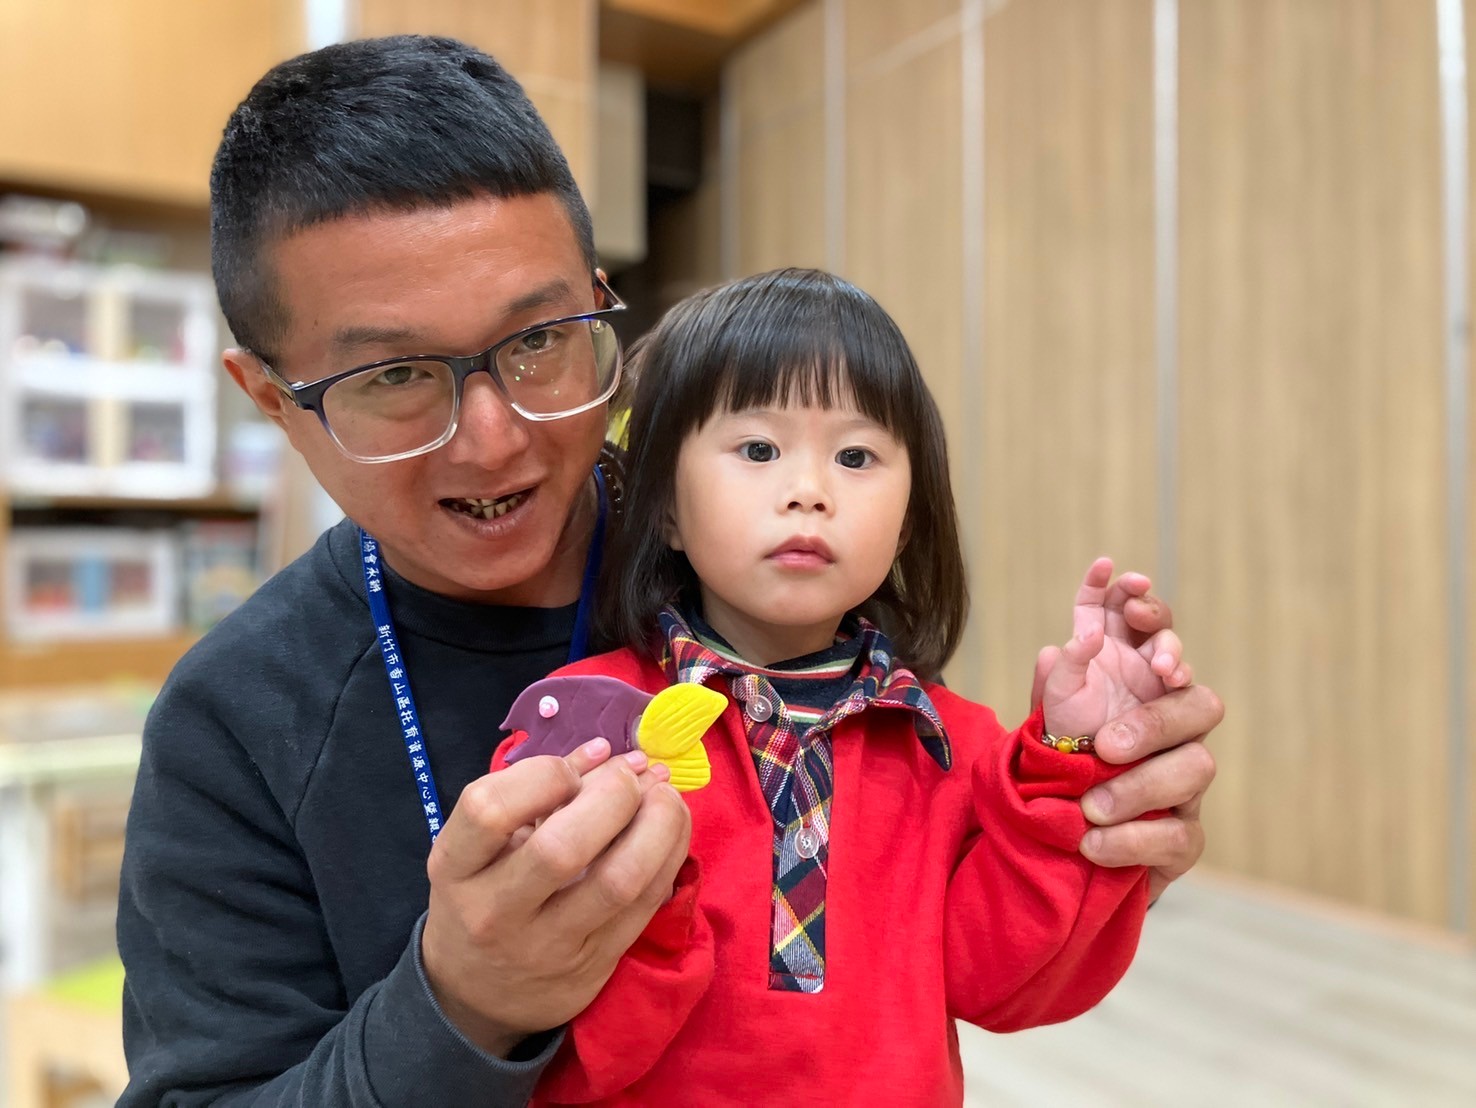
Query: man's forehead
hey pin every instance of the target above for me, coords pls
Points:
(382, 237)
(553, 297)
(391, 277)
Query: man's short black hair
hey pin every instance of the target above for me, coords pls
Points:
(390, 124)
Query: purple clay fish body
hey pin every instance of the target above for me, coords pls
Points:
(560, 714)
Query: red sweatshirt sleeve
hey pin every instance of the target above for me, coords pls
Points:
(654, 988)
(1034, 933)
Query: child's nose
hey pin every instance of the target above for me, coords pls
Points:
(808, 492)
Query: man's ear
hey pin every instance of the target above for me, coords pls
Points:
(246, 370)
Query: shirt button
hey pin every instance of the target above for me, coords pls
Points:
(807, 842)
(760, 708)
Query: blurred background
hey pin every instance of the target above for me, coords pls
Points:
(1189, 278)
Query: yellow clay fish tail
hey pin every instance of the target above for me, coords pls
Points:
(671, 729)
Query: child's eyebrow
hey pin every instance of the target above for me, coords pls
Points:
(858, 421)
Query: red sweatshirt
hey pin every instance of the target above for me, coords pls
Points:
(951, 894)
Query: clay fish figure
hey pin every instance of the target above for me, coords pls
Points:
(560, 713)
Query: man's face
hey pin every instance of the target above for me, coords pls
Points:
(444, 281)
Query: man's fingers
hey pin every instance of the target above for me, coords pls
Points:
(1169, 845)
(1173, 719)
(491, 810)
(570, 839)
(1148, 614)
(591, 754)
(638, 865)
(1174, 778)
(623, 928)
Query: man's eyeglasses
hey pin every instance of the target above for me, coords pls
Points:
(400, 407)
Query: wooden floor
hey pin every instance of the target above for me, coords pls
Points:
(1240, 998)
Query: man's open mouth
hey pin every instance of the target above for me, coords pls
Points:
(486, 509)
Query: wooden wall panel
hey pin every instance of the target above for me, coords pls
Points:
(904, 208)
(777, 87)
(781, 188)
(875, 27)
(549, 45)
(1466, 677)
(1066, 463)
(1312, 519)
(782, 71)
(129, 99)
(1311, 524)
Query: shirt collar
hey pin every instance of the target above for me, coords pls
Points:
(879, 681)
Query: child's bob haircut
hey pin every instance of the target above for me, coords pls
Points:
(791, 336)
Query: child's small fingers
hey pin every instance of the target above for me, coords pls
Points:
(1128, 586)
(1081, 648)
(1045, 661)
(1094, 582)
(1131, 584)
(1181, 677)
(1069, 673)
(1088, 615)
(1162, 652)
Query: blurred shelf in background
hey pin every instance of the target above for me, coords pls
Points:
(129, 521)
(67, 764)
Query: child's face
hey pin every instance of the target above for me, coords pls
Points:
(791, 516)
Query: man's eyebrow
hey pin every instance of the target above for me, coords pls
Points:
(556, 293)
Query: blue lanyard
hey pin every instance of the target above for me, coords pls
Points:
(394, 662)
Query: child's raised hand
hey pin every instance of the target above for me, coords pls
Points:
(1100, 674)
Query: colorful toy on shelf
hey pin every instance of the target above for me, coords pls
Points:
(560, 713)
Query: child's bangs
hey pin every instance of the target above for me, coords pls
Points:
(814, 350)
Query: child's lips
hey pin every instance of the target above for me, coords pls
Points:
(803, 551)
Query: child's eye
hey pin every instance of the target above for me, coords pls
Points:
(854, 457)
(759, 451)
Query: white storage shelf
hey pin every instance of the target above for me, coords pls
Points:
(108, 379)
(90, 583)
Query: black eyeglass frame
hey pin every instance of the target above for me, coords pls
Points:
(309, 395)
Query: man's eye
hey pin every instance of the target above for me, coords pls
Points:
(759, 451)
(396, 375)
(854, 457)
(538, 341)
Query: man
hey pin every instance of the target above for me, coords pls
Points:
(379, 210)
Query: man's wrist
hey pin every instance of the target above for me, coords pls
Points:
(495, 1038)
(488, 1035)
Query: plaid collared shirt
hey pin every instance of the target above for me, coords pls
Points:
(795, 772)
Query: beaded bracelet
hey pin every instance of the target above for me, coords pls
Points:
(1066, 744)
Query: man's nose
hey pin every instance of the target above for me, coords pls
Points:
(488, 431)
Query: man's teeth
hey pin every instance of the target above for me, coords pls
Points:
(487, 509)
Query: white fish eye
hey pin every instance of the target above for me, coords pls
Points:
(548, 707)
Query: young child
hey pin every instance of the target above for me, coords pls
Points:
(872, 856)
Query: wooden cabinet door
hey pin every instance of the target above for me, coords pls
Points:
(130, 99)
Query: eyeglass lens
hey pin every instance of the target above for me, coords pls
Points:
(396, 409)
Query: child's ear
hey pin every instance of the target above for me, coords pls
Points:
(671, 534)
(904, 537)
